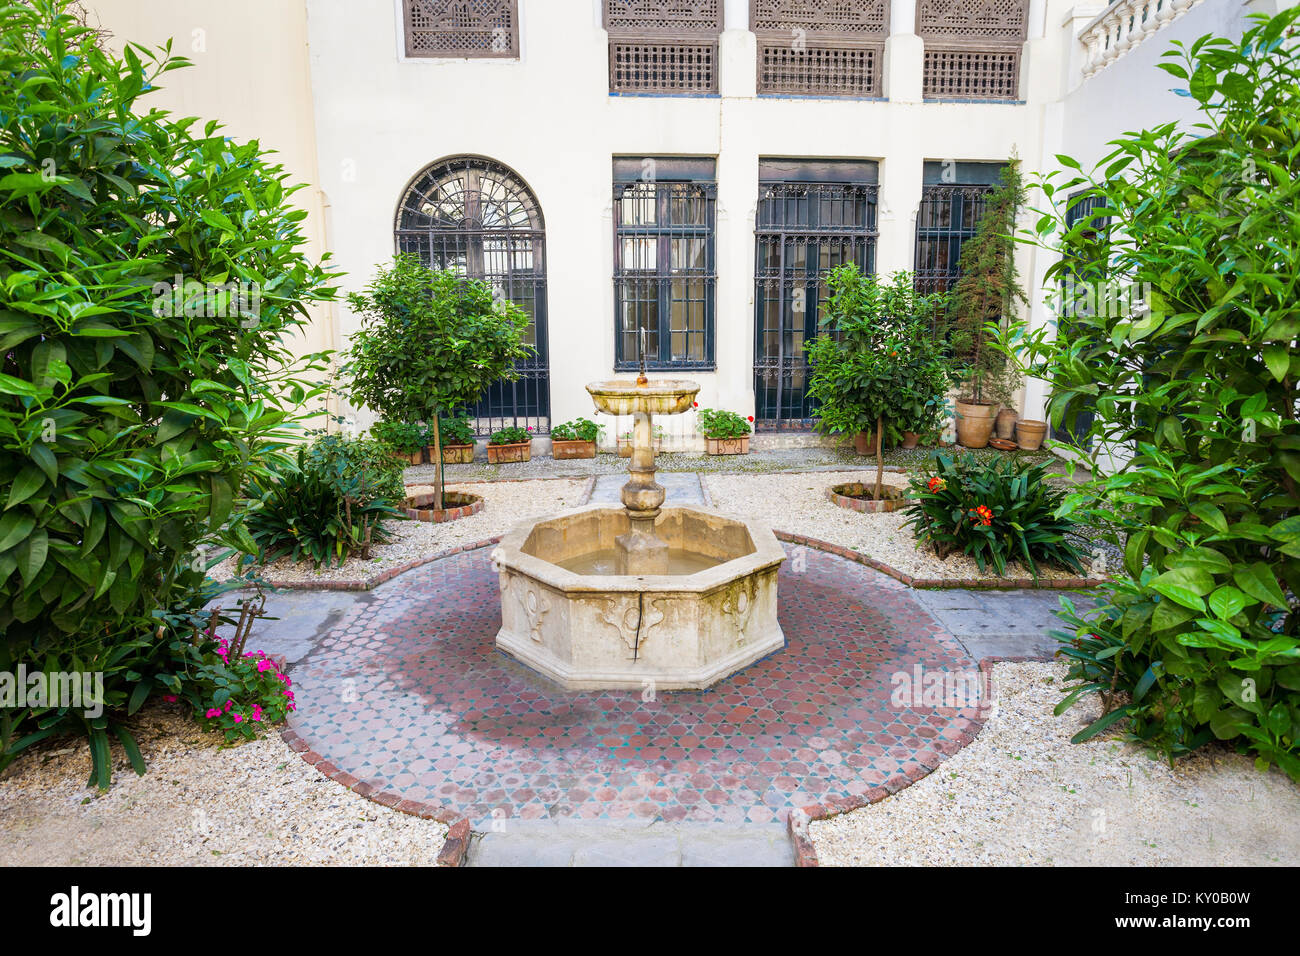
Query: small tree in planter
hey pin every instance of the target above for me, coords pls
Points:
(726, 433)
(430, 343)
(457, 439)
(876, 362)
(986, 293)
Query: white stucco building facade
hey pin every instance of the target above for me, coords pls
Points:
(331, 85)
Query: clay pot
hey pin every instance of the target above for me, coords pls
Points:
(518, 451)
(455, 454)
(1006, 423)
(1030, 434)
(911, 439)
(727, 446)
(577, 448)
(864, 442)
(974, 423)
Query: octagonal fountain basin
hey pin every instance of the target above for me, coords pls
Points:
(566, 614)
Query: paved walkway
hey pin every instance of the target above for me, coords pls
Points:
(402, 686)
(680, 488)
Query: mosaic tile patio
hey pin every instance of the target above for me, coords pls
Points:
(409, 694)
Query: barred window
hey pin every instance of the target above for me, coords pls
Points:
(952, 201)
(820, 48)
(664, 265)
(663, 46)
(461, 28)
(972, 48)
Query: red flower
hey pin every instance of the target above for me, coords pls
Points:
(981, 515)
(936, 483)
(695, 404)
(751, 418)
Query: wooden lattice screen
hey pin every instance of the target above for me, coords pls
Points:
(820, 47)
(663, 46)
(972, 47)
(462, 28)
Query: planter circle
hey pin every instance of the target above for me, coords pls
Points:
(457, 504)
(856, 496)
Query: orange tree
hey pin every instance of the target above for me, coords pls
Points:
(430, 343)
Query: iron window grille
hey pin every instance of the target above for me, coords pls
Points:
(476, 217)
(664, 274)
(945, 220)
(802, 230)
(461, 28)
(820, 48)
(663, 46)
(972, 48)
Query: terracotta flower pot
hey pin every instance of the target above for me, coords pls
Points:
(577, 448)
(864, 442)
(455, 454)
(911, 439)
(974, 423)
(500, 454)
(727, 446)
(1006, 423)
(1030, 434)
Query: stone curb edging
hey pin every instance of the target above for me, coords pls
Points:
(588, 490)
(374, 580)
(863, 506)
(805, 853)
(458, 830)
(996, 584)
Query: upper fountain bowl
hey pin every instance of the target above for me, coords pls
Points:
(658, 396)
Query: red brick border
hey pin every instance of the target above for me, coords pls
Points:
(990, 584)
(472, 505)
(458, 830)
(374, 580)
(863, 505)
(805, 853)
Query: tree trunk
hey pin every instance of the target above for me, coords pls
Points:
(437, 464)
(880, 460)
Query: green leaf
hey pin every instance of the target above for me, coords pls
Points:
(1277, 357)
(1097, 726)
(1258, 581)
(1185, 585)
(29, 481)
(1227, 602)
(132, 750)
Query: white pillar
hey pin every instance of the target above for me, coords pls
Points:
(904, 54)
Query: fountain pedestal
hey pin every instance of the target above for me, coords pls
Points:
(641, 551)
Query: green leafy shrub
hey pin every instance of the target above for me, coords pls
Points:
(316, 511)
(1194, 380)
(994, 510)
(718, 423)
(510, 435)
(362, 468)
(132, 406)
(238, 694)
(407, 438)
(455, 431)
(580, 429)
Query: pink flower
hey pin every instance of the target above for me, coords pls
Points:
(214, 712)
(238, 719)
(170, 698)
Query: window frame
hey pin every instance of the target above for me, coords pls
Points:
(510, 8)
(664, 230)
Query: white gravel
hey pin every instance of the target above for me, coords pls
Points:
(1021, 793)
(505, 504)
(797, 503)
(257, 803)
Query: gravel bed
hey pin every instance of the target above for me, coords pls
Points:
(258, 803)
(798, 503)
(504, 506)
(1021, 793)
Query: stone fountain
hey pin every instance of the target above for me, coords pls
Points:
(640, 596)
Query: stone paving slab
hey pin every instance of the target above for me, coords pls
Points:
(658, 844)
(1001, 623)
(681, 488)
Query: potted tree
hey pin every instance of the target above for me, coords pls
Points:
(725, 433)
(511, 443)
(430, 343)
(878, 369)
(457, 441)
(575, 439)
(983, 298)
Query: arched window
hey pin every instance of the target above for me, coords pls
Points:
(479, 218)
